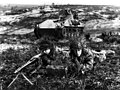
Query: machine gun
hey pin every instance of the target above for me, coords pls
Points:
(33, 59)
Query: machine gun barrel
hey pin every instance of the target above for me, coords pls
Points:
(28, 63)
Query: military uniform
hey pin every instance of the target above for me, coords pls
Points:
(86, 59)
(73, 50)
(46, 59)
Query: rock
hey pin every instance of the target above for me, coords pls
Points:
(97, 39)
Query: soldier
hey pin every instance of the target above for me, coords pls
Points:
(47, 49)
(85, 58)
(45, 56)
(73, 50)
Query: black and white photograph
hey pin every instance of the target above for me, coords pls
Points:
(59, 45)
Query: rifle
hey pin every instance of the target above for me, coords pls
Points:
(28, 63)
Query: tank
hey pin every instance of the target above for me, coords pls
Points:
(56, 32)
(48, 28)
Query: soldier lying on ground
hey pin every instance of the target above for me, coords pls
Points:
(45, 59)
(47, 51)
(75, 53)
(83, 57)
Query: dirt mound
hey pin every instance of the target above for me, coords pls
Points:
(99, 24)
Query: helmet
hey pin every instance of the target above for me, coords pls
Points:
(45, 45)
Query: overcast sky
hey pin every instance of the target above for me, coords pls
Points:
(40, 2)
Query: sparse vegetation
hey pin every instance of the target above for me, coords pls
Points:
(103, 76)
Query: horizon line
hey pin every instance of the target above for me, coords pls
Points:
(58, 4)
